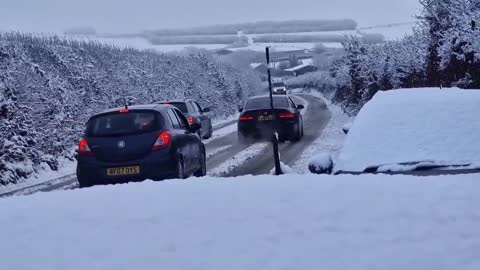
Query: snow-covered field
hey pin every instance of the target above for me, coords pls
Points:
(390, 33)
(267, 222)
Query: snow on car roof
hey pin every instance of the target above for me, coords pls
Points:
(431, 125)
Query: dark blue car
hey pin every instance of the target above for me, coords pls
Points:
(139, 142)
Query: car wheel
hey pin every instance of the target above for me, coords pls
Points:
(203, 166)
(82, 182)
(180, 174)
(298, 136)
(209, 134)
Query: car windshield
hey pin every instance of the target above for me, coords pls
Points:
(120, 124)
(264, 103)
(182, 106)
(278, 84)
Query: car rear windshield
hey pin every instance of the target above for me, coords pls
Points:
(182, 106)
(264, 103)
(122, 124)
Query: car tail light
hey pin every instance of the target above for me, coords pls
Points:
(191, 120)
(287, 116)
(163, 141)
(246, 118)
(124, 111)
(84, 149)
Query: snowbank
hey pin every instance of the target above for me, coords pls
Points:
(330, 141)
(285, 169)
(268, 222)
(416, 125)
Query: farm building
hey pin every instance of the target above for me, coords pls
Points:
(302, 69)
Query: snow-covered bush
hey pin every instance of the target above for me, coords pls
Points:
(50, 86)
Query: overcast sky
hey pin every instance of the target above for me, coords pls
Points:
(134, 15)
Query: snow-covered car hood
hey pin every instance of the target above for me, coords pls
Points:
(406, 129)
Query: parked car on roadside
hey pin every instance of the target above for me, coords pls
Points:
(195, 114)
(137, 143)
(410, 131)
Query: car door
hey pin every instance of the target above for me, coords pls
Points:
(191, 139)
(203, 118)
(180, 134)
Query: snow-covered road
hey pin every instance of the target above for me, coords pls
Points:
(226, 156)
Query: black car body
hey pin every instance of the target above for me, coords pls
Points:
(256, 121)
(142, 142)
(195, 114)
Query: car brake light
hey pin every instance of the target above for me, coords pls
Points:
(163, 141)
(191, 120)
(84, 149)
(287, 116)
(124, 110)
(246, 118)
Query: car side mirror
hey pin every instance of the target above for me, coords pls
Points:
(321, 164)
(300, 107)
(240, 110)
(194, 127)
(207, 109)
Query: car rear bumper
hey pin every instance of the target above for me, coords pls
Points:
(263, 132)
(91, 171)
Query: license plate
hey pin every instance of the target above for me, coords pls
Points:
(123, 171)
(265, 118)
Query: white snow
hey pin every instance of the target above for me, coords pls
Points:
(285, 169)
(415, 125)
(222, 132)
(223, 120)
(301, 222)
(331, 139)
(215, 151)
(321, 161)
(297, 67)
(238, 159)
(44, 174)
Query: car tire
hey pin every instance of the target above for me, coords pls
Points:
(83, 183)
(203, 166)
(209, 134)
(180, 171)
(299, 135)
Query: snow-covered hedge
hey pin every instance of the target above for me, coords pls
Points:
(50, 86)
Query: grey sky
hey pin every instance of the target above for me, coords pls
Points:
(134, 15)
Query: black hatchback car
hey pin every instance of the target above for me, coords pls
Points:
(137, 143)
(195, 114)
(255, 122)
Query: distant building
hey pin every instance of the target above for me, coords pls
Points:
(275, 72)
(302, 69)
(224, 52)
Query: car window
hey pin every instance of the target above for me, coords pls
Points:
(192, 107)
(197, 106)
(278, 84)
(182, 106)
(292, 103)
(122, 124)
(182, 120)
(264, 103)
(173, 118)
